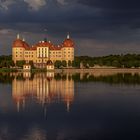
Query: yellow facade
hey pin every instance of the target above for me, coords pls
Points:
(42, 51)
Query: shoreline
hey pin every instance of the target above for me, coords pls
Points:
(100, 71)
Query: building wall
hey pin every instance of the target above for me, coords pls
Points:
(56, 55)
(30, 55)
(42, 54)
(68, 54)
(26, 67)
(18, 54)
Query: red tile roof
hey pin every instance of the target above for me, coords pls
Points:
(23, 44)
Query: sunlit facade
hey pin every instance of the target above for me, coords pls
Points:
(43, 51)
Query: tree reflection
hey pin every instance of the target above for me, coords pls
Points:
(120, 78)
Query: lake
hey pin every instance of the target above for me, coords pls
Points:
(80, 106)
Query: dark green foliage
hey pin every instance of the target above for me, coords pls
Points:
(69, 63)
(119, 61)
(58, 64)
(6, 61)
(32, 64)
(20, 63)
(64, 63)
(76, 63)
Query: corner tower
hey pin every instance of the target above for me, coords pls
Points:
(68, 49)
(18, 49)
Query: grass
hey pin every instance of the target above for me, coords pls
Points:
(8, 70)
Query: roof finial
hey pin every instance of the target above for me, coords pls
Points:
(18, 36)
(68, 36)
(23, 39)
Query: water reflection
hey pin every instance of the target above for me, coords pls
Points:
(58, 106)
(42, 87)
(49, 88)
(117, 78)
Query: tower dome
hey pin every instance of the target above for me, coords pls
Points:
(18, 42)
(68, 42)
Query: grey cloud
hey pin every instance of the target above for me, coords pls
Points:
(110, 26)
(4, 4)
(32, 4)
(35, 4)
(6, 31)
(63, 2)
(112, 4)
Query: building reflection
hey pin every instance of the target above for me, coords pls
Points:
(42, 87)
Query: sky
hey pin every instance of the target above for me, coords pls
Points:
(98, 27)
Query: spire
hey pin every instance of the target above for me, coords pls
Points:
(23, 39)
(18, 36)
(68, 36)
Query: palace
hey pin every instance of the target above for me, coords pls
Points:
(42, 52)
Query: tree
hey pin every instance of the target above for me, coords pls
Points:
(64, 63)
(12, 63)
(58, 64)
(20, 63)
(76, 63)
(84, 63)
(91, 63)
(115, 63)
(31, 63)
(69, 63)
(3, 63)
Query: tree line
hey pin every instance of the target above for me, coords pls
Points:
(119, 61)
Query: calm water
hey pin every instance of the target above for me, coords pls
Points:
(48, 106)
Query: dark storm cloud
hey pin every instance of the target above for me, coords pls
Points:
(116, 11)
(112, 4)
(108, 26)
